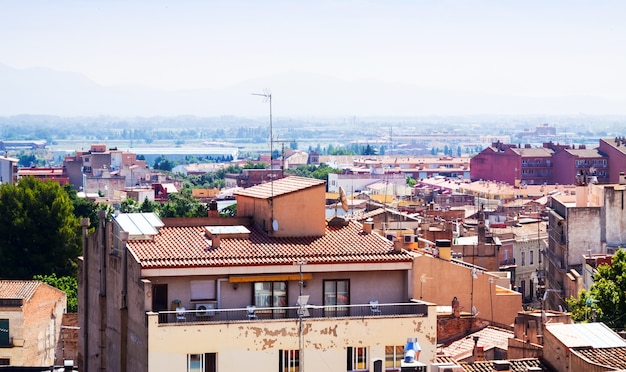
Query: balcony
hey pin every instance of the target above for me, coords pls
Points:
(410, 309)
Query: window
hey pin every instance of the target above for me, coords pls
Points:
(288, 361)
(270, 294)
(531, 258)
(4, 333)
(337, 293)
(5, 362)
(393, 356)
(357, 358)
(202, 362)
(523, 258)
(195, 363)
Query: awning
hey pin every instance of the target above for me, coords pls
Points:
(268, 278)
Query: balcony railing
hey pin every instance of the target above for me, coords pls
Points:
(293, 312)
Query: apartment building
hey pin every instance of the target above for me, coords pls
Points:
(278, 287)
(586, 222)
(31, 313)
(513, 165)
(102, 170)
(550, 164)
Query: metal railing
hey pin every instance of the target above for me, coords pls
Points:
(293, 312)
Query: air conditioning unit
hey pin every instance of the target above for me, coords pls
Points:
(205, 309)
(409, 238)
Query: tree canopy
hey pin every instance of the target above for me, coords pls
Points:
(41, 234)
(606, 296)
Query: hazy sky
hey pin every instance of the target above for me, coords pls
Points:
(538, 48)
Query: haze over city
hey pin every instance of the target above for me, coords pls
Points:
(324, 58)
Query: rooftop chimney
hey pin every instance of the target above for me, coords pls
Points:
(368, 225)
(215, 241)
(213, 212)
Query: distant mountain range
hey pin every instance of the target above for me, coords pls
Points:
(46, 91)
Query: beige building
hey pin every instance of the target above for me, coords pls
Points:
(587, 221)
(31, 313)
(276, 288)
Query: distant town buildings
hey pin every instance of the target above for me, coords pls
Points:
(550, 164)
(8, 169)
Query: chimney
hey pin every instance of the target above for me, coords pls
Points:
(213, 212)
(444, 248)
(368, 225)
(215, 241)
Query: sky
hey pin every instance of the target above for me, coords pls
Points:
(528, 48)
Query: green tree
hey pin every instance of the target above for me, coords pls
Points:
(41, 234)
(68, 284)
(230, 211)
(410, 181)
(607, 295)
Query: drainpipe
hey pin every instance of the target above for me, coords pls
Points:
(84, 223)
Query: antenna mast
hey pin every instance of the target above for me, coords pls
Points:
(267, 95)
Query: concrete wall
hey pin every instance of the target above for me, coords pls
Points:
(615, 216)
(254, 346)
(299, 213)
(111, 310)
(444, 280)
(584, 233)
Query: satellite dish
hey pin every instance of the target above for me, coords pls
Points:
(275, 225)
(343, 199)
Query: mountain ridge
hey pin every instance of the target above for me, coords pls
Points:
(44, 91)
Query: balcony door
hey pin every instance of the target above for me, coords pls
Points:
(336, 294)
(270, 295)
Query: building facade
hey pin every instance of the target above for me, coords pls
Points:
(31, 314)
(277, 287)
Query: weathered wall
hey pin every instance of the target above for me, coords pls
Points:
(254, 346)
(443, 280)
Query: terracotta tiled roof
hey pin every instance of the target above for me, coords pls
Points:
(488, 338)
(517, 365)
(176, 247)
(279, 187)
(614, 357)
(18, 289)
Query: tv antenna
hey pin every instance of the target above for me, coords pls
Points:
(267, 97)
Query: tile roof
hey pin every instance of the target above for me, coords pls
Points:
(177, 247)
(279, 187)
(488, 338)
(18, 289)
(516, 365)
(614, 357)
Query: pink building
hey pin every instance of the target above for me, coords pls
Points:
(615, 150)
(572, 163)
(512, 164)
